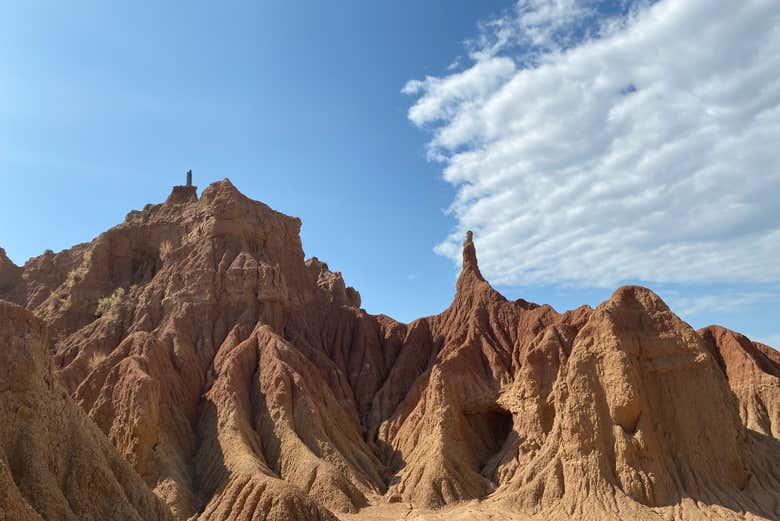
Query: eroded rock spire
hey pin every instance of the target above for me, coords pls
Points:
(470, 256)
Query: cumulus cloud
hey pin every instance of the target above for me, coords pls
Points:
(592, 147)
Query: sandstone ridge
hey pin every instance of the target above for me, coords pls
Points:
(242, 381)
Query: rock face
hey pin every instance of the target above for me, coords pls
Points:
(243, 382)
(753, 372)
(54, 462)
(642, 411)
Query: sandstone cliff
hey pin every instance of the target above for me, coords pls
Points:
(243, 382)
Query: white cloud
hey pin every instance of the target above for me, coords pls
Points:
(444, 98)
(545, 25)
(644, 148)
(691, 305)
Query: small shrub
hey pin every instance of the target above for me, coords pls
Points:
(166, 248)
(95, 359)
(77, 275)
(72, 279)
(109, 304)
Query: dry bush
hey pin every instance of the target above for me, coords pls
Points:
(109, 304)
(95, 359)
(78, 274)
(166, 248)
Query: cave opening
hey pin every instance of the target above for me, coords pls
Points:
(492, 428)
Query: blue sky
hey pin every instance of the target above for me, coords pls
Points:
(103, 106)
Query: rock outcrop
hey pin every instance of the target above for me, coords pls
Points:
(54, 462)
(242, 381)
(10, 273)
(642, 410)
(753, 372)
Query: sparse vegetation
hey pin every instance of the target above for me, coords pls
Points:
(72, 278)
(77, 274)
(109, 304)
(166, 248)
(95, 359)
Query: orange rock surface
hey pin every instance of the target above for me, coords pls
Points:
(244, 382)
(54, 462)
(753, 373)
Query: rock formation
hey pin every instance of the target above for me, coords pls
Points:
(753, 373)
(242, 381)
(54, 462)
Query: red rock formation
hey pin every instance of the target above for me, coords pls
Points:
(753, 372)
(10, 273)
(450, 435)
(243, 382)
(642, 409)
(54, 462)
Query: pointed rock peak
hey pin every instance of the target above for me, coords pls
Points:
(223, 189)
(469, 273)
(9, 271)
(4, 258)
(470, 255)
(225, 184)
(6, 263)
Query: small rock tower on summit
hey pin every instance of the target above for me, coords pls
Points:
(184, 193)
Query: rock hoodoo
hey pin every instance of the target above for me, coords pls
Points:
(242, 381)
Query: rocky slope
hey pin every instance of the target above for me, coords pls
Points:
(243, 382)
(54, 462)
(753, 373)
